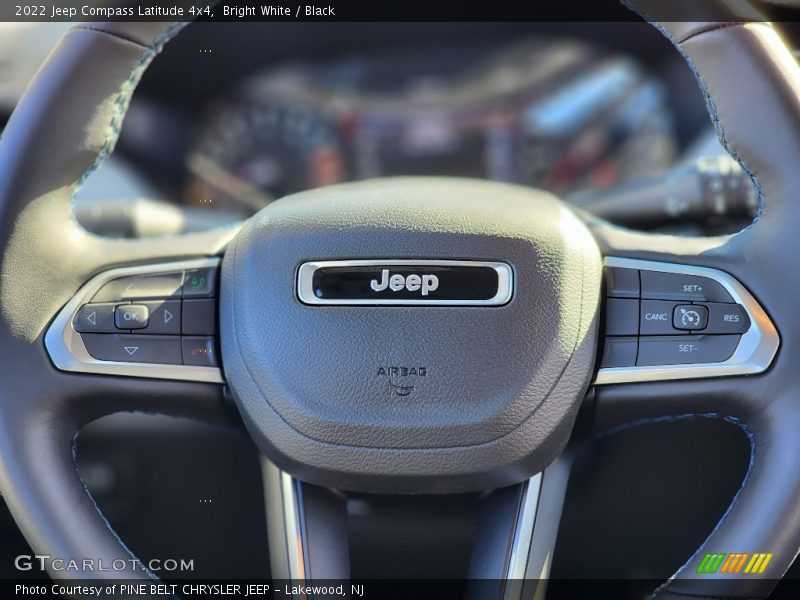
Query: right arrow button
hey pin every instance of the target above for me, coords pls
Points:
(165, 317)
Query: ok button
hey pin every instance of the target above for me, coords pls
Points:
(131, 316)
(655, 318)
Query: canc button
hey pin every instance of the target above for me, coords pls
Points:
(656, 318)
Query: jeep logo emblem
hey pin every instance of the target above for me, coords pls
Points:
(413, 283)
(394, 282)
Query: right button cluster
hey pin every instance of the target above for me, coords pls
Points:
(658, 318)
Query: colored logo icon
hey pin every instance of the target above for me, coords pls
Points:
(742, 562)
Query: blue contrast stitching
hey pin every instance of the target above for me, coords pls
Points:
(720, 129)
(711, 107)
(683, 417)
(121, 103)
(111, 530)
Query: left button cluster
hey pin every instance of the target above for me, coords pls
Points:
(168, 318)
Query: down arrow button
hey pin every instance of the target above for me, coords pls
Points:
(160, 349)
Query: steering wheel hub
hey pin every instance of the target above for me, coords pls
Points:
(402, 333)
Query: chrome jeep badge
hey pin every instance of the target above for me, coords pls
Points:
(405, 282)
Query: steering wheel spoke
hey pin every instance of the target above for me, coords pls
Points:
(511, 556)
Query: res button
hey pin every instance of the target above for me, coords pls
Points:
(727, 318)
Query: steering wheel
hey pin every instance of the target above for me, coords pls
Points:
(402, 335)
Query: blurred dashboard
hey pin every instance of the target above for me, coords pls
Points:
(551, 112)
(233, 116)
(227, 120)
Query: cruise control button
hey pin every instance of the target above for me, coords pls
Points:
(686, 349)
(622, 283)
(165, 317)
(677, 286)
(134, 348)
(199, 351)
(690, 316)
(95, 318)
(131, 316)
(141, 287)
(619, 352)
(199, 317)
(622, 316)
(656, 318)
(200, 282)
(727, 318)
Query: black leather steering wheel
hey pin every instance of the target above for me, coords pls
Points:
(310, 390)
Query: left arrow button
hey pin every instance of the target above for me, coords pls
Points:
(95, 318)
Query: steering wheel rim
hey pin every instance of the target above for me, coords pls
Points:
(56, 138)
